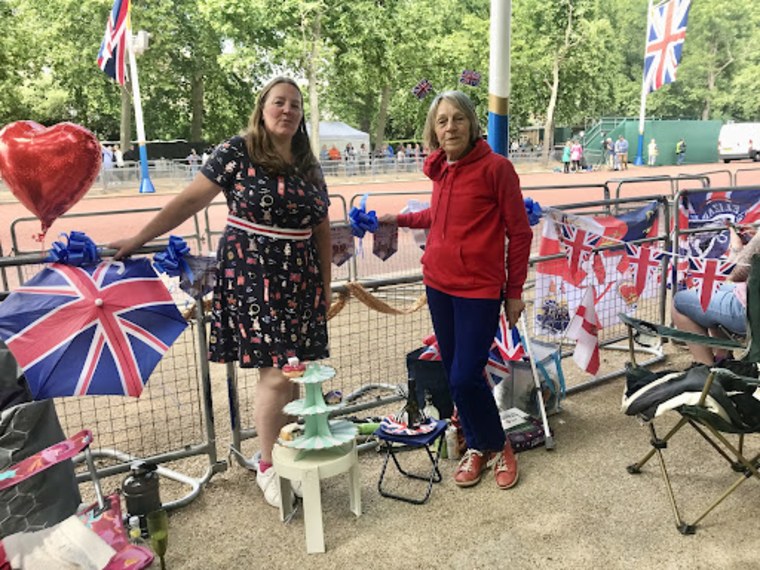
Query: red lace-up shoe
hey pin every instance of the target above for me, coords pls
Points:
(505, 468)
(471, 468)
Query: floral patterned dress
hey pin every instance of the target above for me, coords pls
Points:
(268, 300)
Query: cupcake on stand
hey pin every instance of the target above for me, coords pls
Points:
(319, 432)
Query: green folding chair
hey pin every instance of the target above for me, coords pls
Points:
(715, 401)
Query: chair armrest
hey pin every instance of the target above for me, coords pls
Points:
(48, 457)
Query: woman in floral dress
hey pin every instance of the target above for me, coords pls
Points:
(273, 278)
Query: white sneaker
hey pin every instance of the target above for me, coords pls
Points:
(267, 482)
(295, 485)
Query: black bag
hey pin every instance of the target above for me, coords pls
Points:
(430, 375)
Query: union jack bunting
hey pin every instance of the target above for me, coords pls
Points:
(470, 77)
(422, 89)
(95, 329)
(113, 49)
(578, 244)
(645, 263)
(705, 275)
(666, 32)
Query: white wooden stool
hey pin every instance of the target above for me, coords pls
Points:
(310, 469)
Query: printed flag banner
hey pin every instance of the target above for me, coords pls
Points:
(343, 247)
(644, 263)
(584, 328)
(113, 49)
(470, 77)
(559, 290)
(705, 276)
(422, 89)
(666, 32)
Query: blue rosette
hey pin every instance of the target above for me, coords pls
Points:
(78, 250)
(172, 260)
(361, 220)
(534, 211)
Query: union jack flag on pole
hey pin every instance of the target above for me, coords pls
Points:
(113, 49)
(665, 36)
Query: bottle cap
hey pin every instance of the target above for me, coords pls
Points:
(293, 361)
(134, 521)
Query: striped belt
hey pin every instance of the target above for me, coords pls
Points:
(269, 231)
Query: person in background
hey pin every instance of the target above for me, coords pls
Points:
(609, 155)
(118, 156)
(621, 153)
(652, 153)
(727, 307)
(107, 165)
(566, 157)
(576, 155)
(680, 151)
(476, 205)
(273, 277)
(194, 161)
(323, 154)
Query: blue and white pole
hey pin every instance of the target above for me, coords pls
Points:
(146, 186)
(639, 160)
(498, 73)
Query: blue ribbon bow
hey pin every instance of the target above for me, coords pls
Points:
(361, 220)
(172, 260)
(534, 211)
(80, 250)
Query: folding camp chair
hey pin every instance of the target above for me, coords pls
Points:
(102, 517)
(713, 400)
(389, 443)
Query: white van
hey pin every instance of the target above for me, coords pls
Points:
(738, 141)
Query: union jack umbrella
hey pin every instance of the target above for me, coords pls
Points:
(470, 77)
(96, 329)
(422, 89)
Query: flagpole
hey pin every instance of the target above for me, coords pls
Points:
(642, 111)
(498, 82)
(146, 186)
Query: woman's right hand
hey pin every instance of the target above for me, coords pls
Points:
(125, 247)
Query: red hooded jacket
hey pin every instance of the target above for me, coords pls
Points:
(476, 204)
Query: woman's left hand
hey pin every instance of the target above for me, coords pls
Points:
(514, 308)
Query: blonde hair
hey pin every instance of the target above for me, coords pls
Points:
(463, 104)
(261, 150)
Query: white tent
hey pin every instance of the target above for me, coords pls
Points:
(340, 134)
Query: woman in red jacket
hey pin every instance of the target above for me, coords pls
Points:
(476, 206)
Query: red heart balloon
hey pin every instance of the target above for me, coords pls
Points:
(48, 169)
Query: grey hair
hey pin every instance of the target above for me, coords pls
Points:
(462, 103)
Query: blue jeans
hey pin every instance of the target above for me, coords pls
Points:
(465, 329)
(725, 309)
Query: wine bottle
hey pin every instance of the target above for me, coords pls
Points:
(430, 410)
(410, 413)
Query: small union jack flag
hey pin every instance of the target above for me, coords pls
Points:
(113, 49)
(95, 329)
(422, 89)
(645, 263)
(706, 275)
(579, 244)
(470, 77)
(507, 341)
(665, 36)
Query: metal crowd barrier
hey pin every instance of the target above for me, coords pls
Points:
(383, 317)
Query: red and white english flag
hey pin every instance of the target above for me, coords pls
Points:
(584, 328)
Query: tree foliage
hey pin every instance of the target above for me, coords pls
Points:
(571, 62)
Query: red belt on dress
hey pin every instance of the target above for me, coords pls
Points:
(269, 231)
